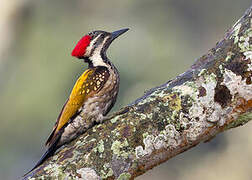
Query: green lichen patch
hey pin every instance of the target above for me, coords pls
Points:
(106, 173)
(100, 146)
(229, 56)
(120, 148)
(113, 120)
(174, 101)
(244, 41)
(124, 176)
(241, 120)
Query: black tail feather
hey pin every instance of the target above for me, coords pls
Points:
(50, 151)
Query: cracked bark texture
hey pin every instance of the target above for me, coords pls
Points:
(211, 97)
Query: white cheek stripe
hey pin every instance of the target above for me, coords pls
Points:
(96, 56)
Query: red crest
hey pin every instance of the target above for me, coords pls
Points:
(80, 48)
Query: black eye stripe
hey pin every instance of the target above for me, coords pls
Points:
(100, 39)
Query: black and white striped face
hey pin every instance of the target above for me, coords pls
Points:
(100, 40)
(92, 47)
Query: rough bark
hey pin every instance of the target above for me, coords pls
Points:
(213, 96)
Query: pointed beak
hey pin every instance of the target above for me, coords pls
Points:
(115, 34)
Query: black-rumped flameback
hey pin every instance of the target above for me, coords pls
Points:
(93, 94)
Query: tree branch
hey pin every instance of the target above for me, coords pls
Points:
(213, 96)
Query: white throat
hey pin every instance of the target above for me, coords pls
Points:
(96, 56)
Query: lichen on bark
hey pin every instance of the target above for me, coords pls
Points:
(213, 96)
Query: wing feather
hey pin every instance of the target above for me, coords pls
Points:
(90, 82)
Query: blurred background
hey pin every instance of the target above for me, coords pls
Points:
(37, 72)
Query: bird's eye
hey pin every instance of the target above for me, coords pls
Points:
(91, 35)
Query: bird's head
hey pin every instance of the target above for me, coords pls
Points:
(93, 46)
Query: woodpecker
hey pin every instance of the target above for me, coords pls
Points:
(93, 94)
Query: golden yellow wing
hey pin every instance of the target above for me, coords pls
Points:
(84, 87)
